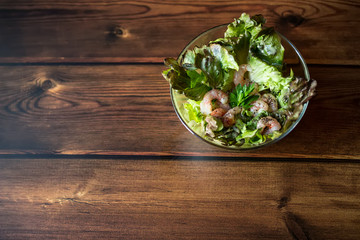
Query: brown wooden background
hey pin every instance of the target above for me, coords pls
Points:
(91, 148)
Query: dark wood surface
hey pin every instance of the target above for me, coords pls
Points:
(185, 198)
(91, 148)
(126, 110)
(148, 31)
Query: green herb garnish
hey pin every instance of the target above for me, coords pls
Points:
(240, 96)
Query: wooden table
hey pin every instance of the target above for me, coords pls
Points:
(91, 148)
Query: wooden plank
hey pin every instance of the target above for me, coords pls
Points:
(178, 199)
(117, 31)
(126, 110)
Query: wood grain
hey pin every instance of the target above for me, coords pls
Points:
(126, 110)
(177, 199)
(118, 31)
(91, 148)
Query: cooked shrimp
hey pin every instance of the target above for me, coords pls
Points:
(211, 126)
(268, 125)
(229, 117)
(258, 106)
(218, 112)
(221, 97)
(271, 102)
(239, 75)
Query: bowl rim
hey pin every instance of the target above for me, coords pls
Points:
(233, 147)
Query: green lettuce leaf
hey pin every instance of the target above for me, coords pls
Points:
(247, 134)
(192, 109)
(237, 46)
(267, 47)
(190, 83)
(215, 62)
(268, 75)
(222, 54)
(245, 25)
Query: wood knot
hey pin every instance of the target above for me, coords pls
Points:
(292, 19)
(116, 32)
(47, 84)
(283, 202)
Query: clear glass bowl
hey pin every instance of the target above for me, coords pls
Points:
(292, 58)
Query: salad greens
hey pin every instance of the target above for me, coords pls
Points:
(247, 107)
(267, 47)
(240, 96)
(268, 76)
(188, 82)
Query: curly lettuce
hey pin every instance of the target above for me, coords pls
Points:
(245, 25)
(193, 111)
(216, 62)
(188, 82)
(267, 47)
(268, 76)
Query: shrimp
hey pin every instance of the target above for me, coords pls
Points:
(221, 97)
(218, 112)
(271, 102)
(229, 117)
(211, 126)
(239, 75)
(258, 106)
(268, 125)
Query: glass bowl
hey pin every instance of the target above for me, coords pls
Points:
(292, 58)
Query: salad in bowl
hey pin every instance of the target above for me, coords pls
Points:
(231, 86)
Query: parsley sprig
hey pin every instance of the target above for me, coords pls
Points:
(240, 96)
